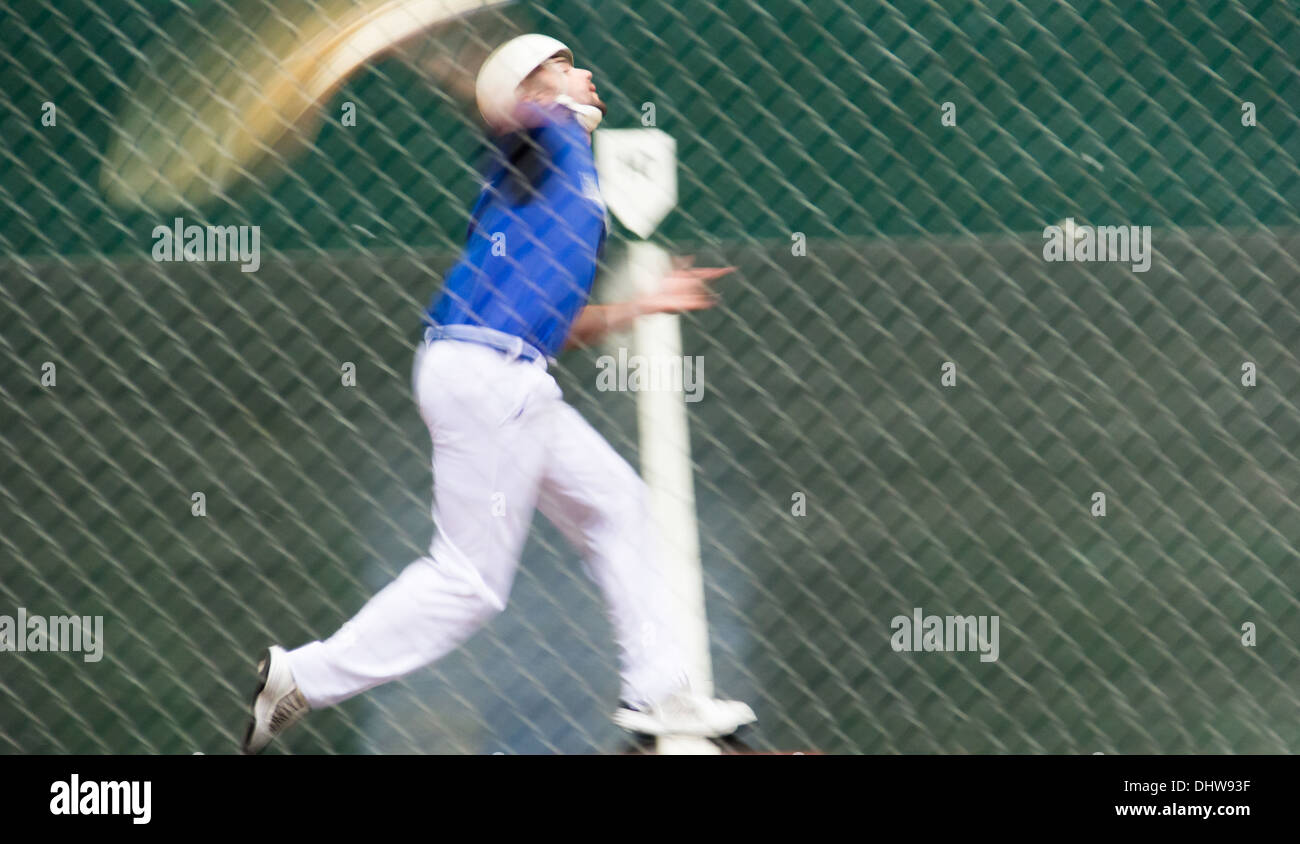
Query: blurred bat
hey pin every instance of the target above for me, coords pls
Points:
(201, 116)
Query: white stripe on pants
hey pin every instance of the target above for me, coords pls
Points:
(504, 443)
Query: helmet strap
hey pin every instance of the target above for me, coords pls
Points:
(588, 115)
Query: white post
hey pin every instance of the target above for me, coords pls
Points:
(638, 173)
(666, 467)
(665, 441)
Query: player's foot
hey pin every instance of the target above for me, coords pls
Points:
(277, 703)
(684, 713)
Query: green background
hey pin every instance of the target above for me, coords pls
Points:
(1119, 634)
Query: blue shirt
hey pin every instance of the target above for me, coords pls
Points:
(534, 237)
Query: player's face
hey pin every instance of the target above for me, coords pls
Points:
(576, 82)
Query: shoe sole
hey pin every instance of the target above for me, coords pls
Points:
(264, 675)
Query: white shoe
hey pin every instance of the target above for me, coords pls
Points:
(683, 713)
(277, 703)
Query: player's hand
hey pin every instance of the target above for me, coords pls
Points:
(686, 288)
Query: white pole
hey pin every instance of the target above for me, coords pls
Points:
(638, 174)
(666, 467)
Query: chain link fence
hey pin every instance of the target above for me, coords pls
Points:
(906, 406)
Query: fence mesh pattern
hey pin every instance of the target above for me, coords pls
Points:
(919, 147)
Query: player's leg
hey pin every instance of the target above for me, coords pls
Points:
(487, 463)
(602, 506)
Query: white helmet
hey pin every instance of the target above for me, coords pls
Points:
(508, 66)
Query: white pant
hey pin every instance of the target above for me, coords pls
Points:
(504, 443)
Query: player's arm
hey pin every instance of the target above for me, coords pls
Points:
(684, 289)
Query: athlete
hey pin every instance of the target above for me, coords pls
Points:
(504, 441)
